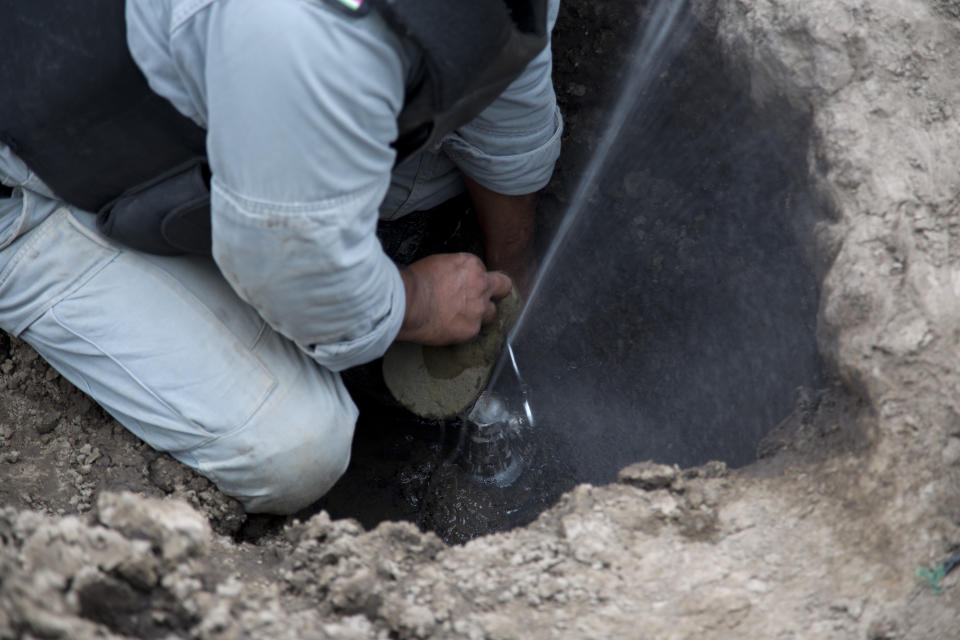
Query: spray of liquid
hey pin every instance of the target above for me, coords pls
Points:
(496, 420)
(656, 45)
(494, 427)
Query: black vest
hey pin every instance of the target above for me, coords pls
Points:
(76, 108)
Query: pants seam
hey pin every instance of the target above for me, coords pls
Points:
(136, 379)
(22, 251)
(67, 292)
(257, 338)
(246, 423)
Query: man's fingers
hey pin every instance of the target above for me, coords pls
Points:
(489, 312)
(498, 284)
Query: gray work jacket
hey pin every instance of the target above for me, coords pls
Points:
(300, 103)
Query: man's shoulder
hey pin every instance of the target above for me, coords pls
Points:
(312, 35)
(352, 8)
(185, 13)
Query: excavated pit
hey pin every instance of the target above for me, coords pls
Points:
(676, 322)
(856, 496)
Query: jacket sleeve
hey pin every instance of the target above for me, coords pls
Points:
(302, 106)
(513, 145)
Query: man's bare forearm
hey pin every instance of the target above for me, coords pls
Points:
(507, 223)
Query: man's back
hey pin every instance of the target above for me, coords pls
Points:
(232, 366)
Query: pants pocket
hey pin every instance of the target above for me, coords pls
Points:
(141, 342)
(47, 264)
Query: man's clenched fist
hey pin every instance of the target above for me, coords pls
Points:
(449, 297)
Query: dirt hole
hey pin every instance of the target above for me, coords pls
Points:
(679, 322)
(678, 326)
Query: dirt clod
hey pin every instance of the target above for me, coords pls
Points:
(649, 475)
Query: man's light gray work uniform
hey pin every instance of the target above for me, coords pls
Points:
(231, 365)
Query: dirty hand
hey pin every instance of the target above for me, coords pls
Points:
(449, 296)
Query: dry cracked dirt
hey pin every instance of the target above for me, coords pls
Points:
(822, 537)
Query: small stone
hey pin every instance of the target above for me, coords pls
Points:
(351, 628)
(10, 457)
(712, 469)
(217, 620)
(84, 451)
(758, 586)
(7, 366)
(951, 452)
(166, 473)
(232, 588)
(48, 422)
(883, 630)
(172, 526)
(141, 570)
(357, 594)
(648, 475)
(665, 505)
(100, 596)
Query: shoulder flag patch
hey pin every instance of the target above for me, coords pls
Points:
(351, 7)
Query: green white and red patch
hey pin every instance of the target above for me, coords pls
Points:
(353, 5)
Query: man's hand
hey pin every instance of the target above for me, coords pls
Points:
(449, 297)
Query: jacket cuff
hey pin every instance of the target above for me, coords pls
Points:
(509, 174)
(338, 356)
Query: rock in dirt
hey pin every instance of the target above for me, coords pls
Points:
(48, 423)
(169, 525)
(649, 475)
